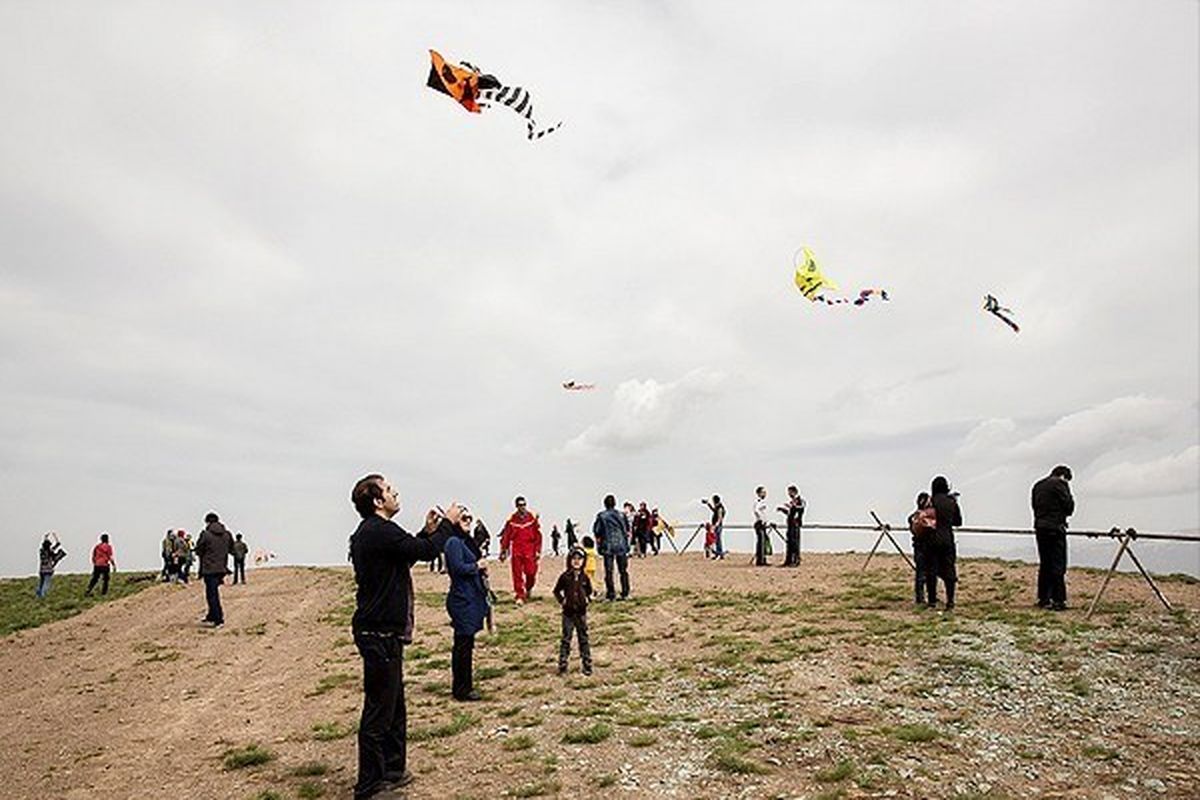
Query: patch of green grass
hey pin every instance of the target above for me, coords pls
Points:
(310, 791)
(310, 769)
(268, 794)
(1079, 686)
(592, 734)
(255, 630)
(535, 789)
(644, 720)
(250, 755)
(919, 732)
(521, 741)
(729, 757)
(21, 610)
(643, 740)
(328, 731)
(487, 673)
(1100, 753)
(154, 652)
(836, 773)
(457, 724)
(606, 780)
(331, 682)
(862, 678)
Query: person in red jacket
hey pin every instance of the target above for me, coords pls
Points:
(522, 539)
(102, 565)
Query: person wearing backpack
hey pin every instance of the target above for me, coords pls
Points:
(922, 524)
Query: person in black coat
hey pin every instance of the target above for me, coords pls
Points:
(942, 554)
(1052, 504)
(383, 554)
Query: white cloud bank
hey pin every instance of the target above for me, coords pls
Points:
(645, 413)
(1162, 477)
(1080, 438)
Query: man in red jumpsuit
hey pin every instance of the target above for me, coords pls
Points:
(522, 539)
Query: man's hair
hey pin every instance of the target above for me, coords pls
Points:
(793, 488)
(716, 498)
(1061, 471)
(238, 537)
(104, 538)
(939, 485)
(589, 541)
(518, 500)
(610, 501)
(365, 493)
(211, 517)
(760, 489)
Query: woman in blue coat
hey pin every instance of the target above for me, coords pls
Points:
(468, 606)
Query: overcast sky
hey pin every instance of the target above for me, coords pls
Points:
(246, 256)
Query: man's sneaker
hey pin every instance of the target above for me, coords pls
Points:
(587, 670)
(395, 780)
(470, 697)
(520, 602)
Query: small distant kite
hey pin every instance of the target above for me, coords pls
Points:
(572, 386)
(475, 91)
(262, 557)
(813, 283)
(993, 307)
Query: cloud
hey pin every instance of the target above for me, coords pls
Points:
(1080, 437)
(645, 413)
(1162, 477)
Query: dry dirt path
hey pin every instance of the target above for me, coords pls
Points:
(718, 681)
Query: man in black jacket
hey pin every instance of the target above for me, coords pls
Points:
(383, 553)
(213, 548)
(1052, 504)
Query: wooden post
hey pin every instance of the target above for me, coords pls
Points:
(691, 539)
(1124, 539)
(886, 530)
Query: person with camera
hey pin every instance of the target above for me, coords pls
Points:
(1052, 504)
(49, 554)
(383, 554)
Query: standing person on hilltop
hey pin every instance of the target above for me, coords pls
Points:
(572, 537)
(641, 529)
(922, 523)
(213, 548)
(655, 531)
(611, 529)
(944, 555)
(573, 591)
(483, 538)
(761, 545)
(522, 540)
(795, 520)
(467, 605)
(1052, 504)
(383, 554)
(718, 524)
(168, 555)
(103, 564)
(555, 536)
(239, 558)
(49, 554)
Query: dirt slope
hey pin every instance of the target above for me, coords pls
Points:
(718, 681)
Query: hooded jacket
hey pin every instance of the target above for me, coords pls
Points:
(1052, 504)
(573, 591)
(949, 516)
(213, 548)
(522, 535)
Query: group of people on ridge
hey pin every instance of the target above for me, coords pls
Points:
(51, 552)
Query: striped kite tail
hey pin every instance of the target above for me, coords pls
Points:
(518, 99)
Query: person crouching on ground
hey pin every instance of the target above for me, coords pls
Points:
(573, 592)
(213, 548)
(522, 540)
(467, 604)
(383, 554)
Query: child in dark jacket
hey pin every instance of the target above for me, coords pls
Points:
(573, 591)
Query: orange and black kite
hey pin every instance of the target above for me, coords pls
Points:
(475, 91)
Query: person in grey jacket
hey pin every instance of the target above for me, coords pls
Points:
(213, 549)
(612, 540)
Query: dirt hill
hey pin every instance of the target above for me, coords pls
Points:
(718, 680)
